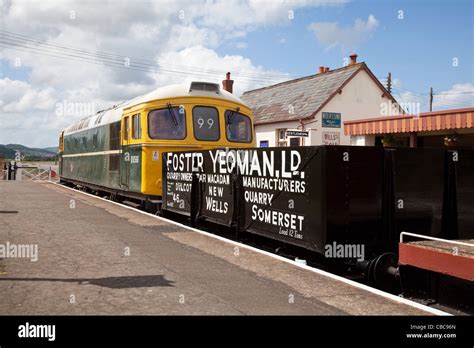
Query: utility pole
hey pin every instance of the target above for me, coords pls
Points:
(431, 99)
(389, 83)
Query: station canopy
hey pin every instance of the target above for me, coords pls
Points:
(454, 119)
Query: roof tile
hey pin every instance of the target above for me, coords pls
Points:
(296, 99)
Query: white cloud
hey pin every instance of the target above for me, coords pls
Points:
(20, 97)
(29, 115)
(459, 96)
(26, 113)
(331, 34)
(244, 72)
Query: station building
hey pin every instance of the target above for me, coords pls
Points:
(312, 110)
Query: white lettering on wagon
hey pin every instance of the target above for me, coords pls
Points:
(214, 201)
(247, 162)
(184, 162)
(278, 218)
(272, 183)
(258, 197)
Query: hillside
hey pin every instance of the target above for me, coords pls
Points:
(51, 149)
(29, 153)
(7, 152)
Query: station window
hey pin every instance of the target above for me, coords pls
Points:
(136, 127)
(168, 123)
(295, 141)
(206, 123)
(238, 127)
(281, 137)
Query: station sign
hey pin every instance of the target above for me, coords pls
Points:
(331, 119)
(331, 138)
(296, 133)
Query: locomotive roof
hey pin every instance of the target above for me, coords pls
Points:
(114, 113)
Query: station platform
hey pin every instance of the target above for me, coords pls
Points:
(98, 257)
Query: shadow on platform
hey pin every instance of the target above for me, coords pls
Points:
(124, 282)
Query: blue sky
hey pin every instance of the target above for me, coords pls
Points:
(257, 41)
(418, 49)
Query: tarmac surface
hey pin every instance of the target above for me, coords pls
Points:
(95, 257)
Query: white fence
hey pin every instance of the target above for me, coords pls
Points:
(40, 172)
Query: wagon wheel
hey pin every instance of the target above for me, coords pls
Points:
(381, 271)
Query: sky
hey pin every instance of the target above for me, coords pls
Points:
(64, 59)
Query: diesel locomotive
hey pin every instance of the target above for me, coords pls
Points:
(119, 150)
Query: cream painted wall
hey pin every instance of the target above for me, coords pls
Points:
(268, 132)
(363, 140)
(361, 98)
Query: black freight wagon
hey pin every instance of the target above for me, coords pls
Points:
(323, 197)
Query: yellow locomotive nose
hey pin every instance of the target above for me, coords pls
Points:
(118, 150)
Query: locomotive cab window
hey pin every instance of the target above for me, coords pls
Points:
(238, 127)
(126, 128)
(136, 127)
(168, 123)
(206, 123)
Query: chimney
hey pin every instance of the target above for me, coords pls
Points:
(353, 58)
(326, 69)
(321, 69)
(228, 84)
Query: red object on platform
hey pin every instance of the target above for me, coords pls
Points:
(437, 260)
